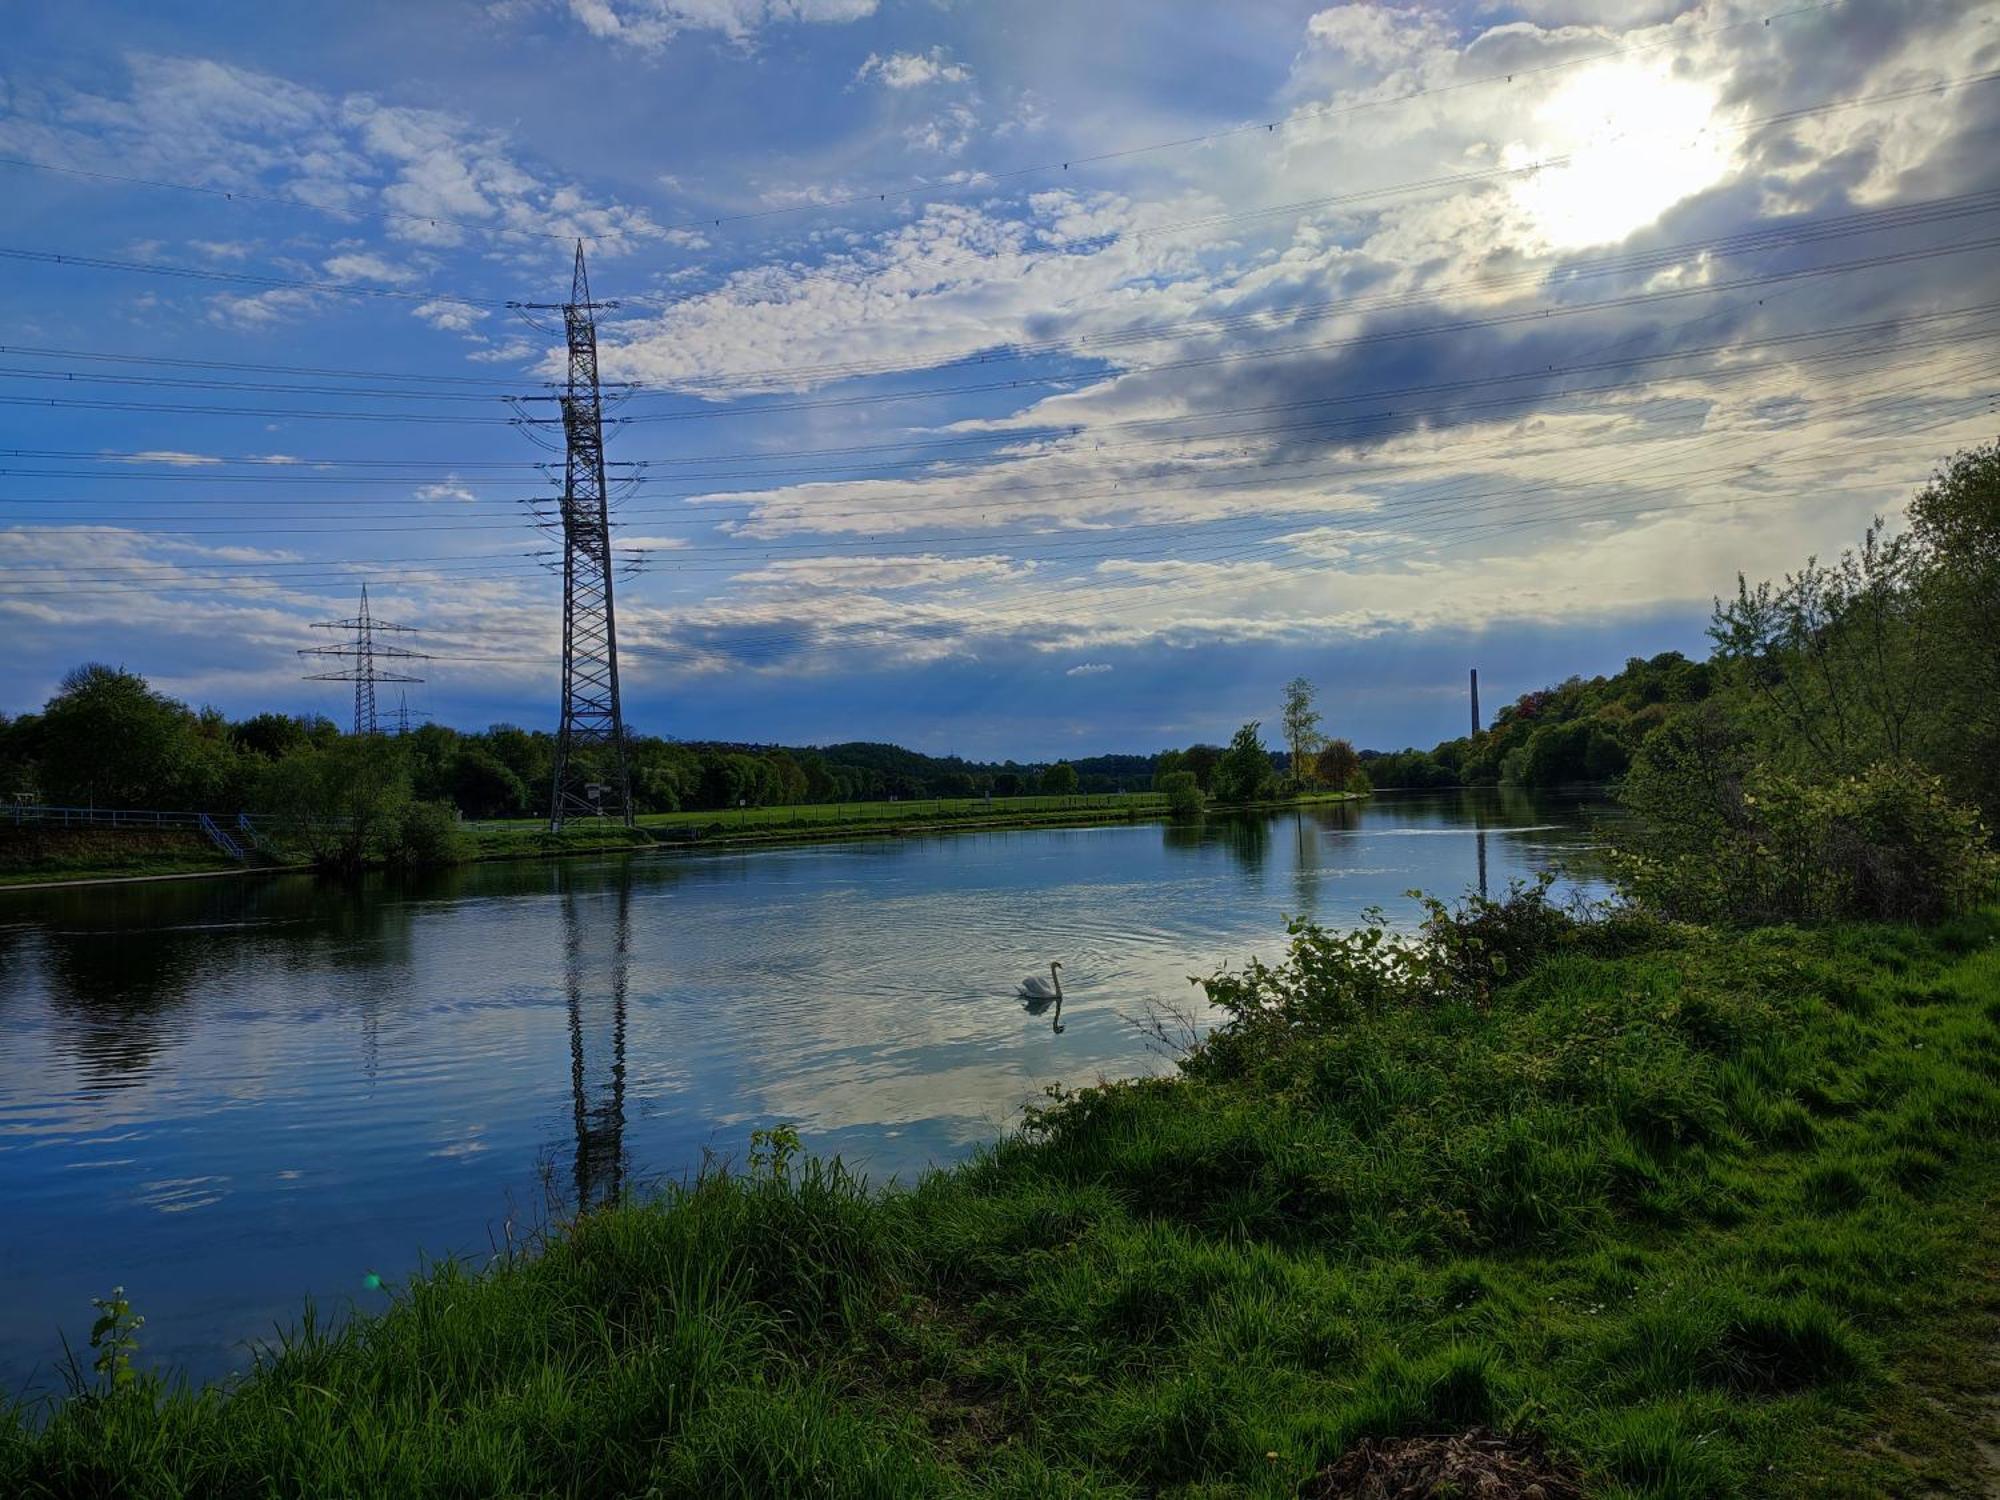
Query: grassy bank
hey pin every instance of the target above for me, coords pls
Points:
(1710, 1214)
(31, 855)
(94, 855)
(809, 821)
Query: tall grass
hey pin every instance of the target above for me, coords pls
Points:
(1690, 1207)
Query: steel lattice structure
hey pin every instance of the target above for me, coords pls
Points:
(364, 649)
(592, 774)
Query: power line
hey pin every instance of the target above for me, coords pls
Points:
(929, 393)
(357, 289)
(980, 181)
(997, 498)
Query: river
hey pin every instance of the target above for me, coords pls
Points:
(229, 1095)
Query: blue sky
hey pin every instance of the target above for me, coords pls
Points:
(1018, 379)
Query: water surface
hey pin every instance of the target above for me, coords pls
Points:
(228, 1095)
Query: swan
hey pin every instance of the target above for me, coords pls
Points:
(1032, 987)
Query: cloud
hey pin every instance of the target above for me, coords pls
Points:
(1089, 669)
(450, 317)
(651, 24)
(172, 457)
(363, 266)
(197, 120)
(451, 487)
(947, 133)
(911, 70)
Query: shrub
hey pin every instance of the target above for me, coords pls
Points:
(427, 834)
(1721, 842)
(1182, 793)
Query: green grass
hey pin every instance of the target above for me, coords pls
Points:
(103, 855)
(521, 837)
(1711, 1212)
(30, 855)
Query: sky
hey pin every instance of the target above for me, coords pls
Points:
(1025, 379)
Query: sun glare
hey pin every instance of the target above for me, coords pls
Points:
(1632, 142)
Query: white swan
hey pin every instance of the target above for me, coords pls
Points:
(1032, 987)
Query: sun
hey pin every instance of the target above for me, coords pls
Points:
(1632, 141)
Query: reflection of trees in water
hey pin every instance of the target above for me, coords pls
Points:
(1248, 839)
(1305, 866)
(597, 946)
(121, 966)
(1247, 836)
(1339, 817)
(114, 998)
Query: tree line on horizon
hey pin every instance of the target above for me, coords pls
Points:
(106, 738)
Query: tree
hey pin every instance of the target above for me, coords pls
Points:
(108, 740)
(1059, 780)
(483, 787)
(1006, 784)
(269, 735)
(1301, 727)
(1336, 764)
(1244, 772)
(1955, 531)
(344, 801)
(1202, 761)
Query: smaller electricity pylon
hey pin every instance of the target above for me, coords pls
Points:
(405, 714)
(364, 650)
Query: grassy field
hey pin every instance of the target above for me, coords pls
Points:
(1709, 1214)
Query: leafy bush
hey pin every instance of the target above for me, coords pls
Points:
(1460, 954)
(427, 834)
(1724, 839)
(343, 802)
(1182, 794)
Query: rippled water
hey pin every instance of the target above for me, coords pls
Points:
(228, 1095)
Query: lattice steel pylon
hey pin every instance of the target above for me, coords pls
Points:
(364, 649)
(592, 774)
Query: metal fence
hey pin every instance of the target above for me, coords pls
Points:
(235, 835)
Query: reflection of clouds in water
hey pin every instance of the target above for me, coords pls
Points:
(178, 1195)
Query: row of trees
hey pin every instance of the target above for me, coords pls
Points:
(108, 739)
(1585, 729)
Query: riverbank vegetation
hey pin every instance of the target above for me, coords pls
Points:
(338, 801)
(1885, 655)
(1700, 1213)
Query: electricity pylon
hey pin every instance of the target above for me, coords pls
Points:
(592, 775)
(364, 649)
